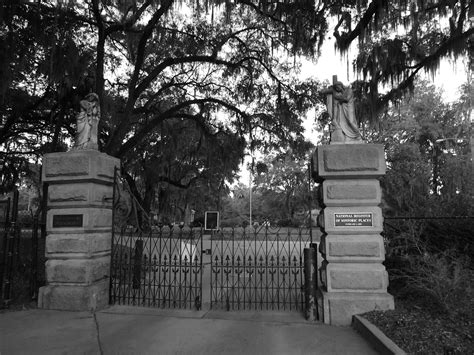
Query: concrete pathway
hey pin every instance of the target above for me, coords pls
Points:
(133, 330)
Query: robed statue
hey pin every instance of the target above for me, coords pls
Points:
(87, 123)
(340, 106)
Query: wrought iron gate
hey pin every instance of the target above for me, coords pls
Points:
(152, 265)
(162, 266)
(258, 269)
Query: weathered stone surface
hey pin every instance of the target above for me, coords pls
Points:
(94, 220)
(79, 245)
(357, 158)
(351, 192)
(80, 195)
(348, 161)
(80, 271)
(64, 164)
(353, 248)
(347, 277)
(75, 298)
(338, 308)
(105, 166)
(68, 193)
(79, 225)
(353, 279)
(327, 220)
(79, 165)
(358, 248)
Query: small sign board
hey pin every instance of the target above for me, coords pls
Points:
(67, 220)
(363, 219)
(211, 220)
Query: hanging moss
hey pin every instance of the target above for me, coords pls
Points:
(399, 38)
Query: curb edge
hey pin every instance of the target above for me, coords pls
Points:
(383, 344)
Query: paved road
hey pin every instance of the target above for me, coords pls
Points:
(127, 330)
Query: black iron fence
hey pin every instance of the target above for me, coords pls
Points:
(22, 258)
(179, 267)
(152, 265)
(258, 269)
(159, 267)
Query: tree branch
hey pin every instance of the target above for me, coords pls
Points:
(428, 61)
(131, 21)
(344, 41)
(173, 112)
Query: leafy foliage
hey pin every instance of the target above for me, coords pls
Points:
(216, 70)
(397, 39)
(280, 190)
(282, 179)
(177, 157)
(225, 67)
(428, 209)
(428, 152)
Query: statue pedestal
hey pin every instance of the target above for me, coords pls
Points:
(353, 278)
(79, 230)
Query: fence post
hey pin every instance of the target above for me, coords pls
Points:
(34, 259)
(8, 265)
(137, 264)
(44, 210)
(310, 283)
(3, 255)
(10, 241)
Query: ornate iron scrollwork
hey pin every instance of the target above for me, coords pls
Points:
(123, 202)
(127, 210)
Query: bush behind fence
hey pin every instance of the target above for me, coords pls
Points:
(431, 258)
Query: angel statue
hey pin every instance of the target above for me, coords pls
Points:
(340, 106)
(87, 123)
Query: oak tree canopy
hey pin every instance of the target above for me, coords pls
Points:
(224, 71)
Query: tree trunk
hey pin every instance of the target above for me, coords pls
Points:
(149, 195)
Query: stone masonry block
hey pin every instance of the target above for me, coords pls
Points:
(352, 277)
(353, 248)
(77, 271)
(80, 245)
(351, 192)
(338, 308)
(348, 161)
(93, 220)
(351, 220)
(75, 298)
(79, 165)
(80, 195)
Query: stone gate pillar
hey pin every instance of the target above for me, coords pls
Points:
(353, 278)
(79, 227)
